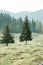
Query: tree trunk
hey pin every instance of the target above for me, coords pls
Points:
(26, 41)
(6, 44)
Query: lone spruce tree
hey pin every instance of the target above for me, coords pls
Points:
(7, 38)
(26, 32)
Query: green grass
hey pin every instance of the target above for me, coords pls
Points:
(21, 54)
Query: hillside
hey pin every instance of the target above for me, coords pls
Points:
(37, 15)
(16, 21)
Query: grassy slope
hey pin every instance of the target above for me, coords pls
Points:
(21, 54)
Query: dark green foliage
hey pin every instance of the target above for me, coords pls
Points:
(33, 26)
(26, 32)
(7, 38)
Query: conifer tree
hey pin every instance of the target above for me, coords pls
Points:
(7, 38)
(26, 32)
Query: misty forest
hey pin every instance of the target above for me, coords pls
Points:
(16, 25)
(21, 40)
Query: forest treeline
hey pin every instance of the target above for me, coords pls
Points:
(16, 25)
(25, 34)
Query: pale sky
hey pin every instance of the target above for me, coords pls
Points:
(21, 5)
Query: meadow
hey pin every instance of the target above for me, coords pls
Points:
(19, 53)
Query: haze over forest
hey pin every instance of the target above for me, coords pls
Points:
(15, 20)
(37, 15)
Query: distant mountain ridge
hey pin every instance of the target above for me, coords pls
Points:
(37, 15)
